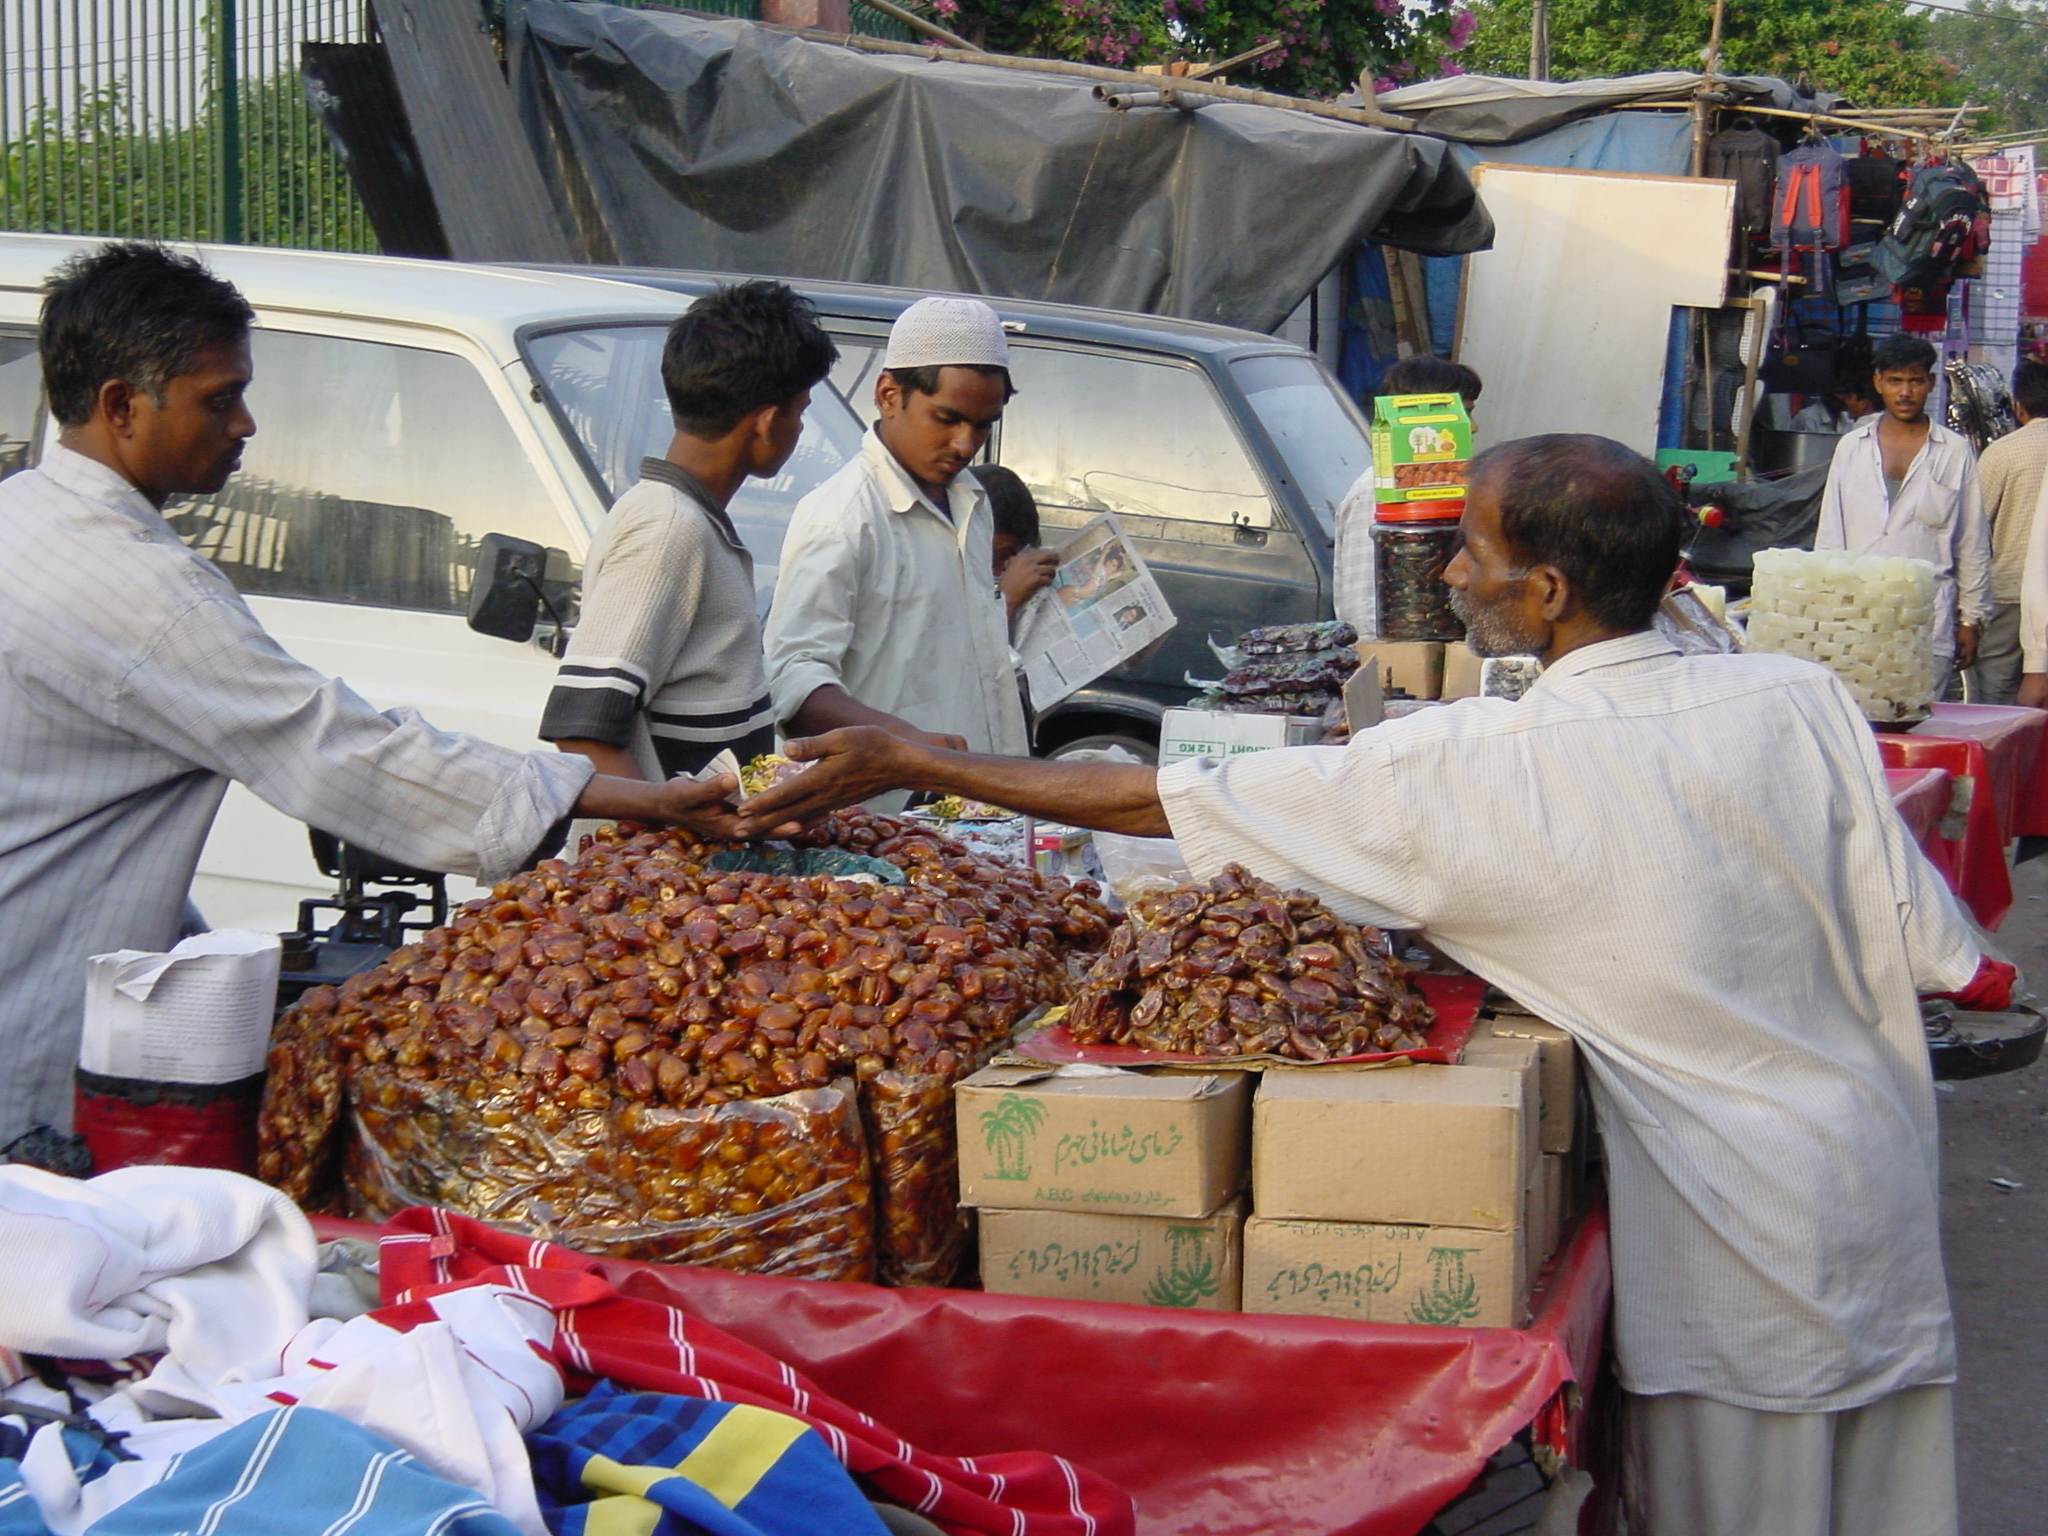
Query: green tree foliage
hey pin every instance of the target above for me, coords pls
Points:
(1326, 45)
(101, 169)
(2002, 64)
(1875, 52)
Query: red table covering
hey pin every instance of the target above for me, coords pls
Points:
(1217, 1423)
(1996, 750)
(1923, 796)
(2015, 743)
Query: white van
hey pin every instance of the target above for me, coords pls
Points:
(398, 423)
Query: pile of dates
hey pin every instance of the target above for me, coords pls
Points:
(1239, 967)
(637, 1054)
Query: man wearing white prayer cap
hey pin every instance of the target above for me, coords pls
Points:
(884, 613)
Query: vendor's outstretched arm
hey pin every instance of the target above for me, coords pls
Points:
(704, 807)
(854, 764)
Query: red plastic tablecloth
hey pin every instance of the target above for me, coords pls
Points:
(1979, 873)
(1923, 796)
(2015, 743)
(1217, 1423)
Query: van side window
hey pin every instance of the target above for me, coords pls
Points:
(21, 388)
(374, 472)
(1104, 432)
(860, 362)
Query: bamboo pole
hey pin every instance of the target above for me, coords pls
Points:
(1365, 117)
(1223, 66)
(918, 23)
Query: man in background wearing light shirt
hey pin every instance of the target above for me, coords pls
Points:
(2015, 471)
(1692, 863)
(884, 611)
(1902, 484)
(135, 682)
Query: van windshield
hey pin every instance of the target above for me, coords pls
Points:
(1317, 430)
(605, 381)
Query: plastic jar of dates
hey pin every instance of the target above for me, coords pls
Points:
(1413, 543)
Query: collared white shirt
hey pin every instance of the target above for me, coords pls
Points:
(1938, 517)
(1692, 863)
(134, 683)
(2034, 587)
(883, 594)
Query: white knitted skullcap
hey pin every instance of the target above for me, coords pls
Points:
(938, 332)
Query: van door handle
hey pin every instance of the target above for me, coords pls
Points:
(1246, 534)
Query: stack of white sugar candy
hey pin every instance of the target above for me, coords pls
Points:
(1868, 618)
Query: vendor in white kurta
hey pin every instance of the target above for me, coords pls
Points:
(1693, 864)
(135, 682)
(884, 610)
(1902, 484)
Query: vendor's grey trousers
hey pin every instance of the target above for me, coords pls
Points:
(1995, 679)
(1695, 1467)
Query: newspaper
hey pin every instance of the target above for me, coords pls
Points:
(199, 1014)
(1101, 610)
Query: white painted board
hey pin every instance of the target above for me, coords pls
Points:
(1567, 318)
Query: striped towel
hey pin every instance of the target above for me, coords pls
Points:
(294, 1472)
(657, 1465)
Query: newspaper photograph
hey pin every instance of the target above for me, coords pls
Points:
(1101, 610)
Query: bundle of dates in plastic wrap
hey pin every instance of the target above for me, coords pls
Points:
(1238, 967)
(1295, 669)
(640, 1054)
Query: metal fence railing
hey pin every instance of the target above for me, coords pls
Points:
(174, 119)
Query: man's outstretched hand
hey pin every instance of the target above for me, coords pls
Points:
(848, 766)
(702, 806)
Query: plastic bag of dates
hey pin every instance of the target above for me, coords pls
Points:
(775, 1186)
(1238, 967)
(586, 1050)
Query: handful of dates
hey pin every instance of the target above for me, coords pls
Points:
(1238, 967)
(637, 1054)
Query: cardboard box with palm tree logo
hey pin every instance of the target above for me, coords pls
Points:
(1146, 1261)
(1098, 1139)
(1375, 1272)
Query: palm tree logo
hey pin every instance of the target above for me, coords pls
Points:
(1189, 1277)
(1453, 1294)
(1007, 1130)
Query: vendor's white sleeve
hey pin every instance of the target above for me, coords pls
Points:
(2034, 590)
(1972, 551)
(1831, 532)
(1324, 819)
(817, 602)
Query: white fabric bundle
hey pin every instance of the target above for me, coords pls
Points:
(1867, 618)
(208, 1265)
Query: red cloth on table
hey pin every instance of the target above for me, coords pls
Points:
(1990, 990)
(1981, 877)
(1226, 1424)
(1922, 796)
(652, 1345)
(2016, 753)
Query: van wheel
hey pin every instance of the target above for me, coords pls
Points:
(1099, 748)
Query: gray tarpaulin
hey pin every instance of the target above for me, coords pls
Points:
(679, 141)
(1487, 109)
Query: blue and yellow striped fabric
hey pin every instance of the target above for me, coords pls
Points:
(649, 1464)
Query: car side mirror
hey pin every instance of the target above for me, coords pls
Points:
(505, 595)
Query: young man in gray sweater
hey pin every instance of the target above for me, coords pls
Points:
(664, 670)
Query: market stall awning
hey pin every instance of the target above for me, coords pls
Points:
(1489, 109)
(722, 145)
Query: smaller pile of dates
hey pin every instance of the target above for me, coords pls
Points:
(1238, 967)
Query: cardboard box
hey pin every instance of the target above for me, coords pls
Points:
(1146, 1261)
(1185, 733)
(1422, 1145)
(1526, 1058)
(1559, 1070)
(1376, 1272)
(1413, 667)
(1421, 448)
(1543, 1210)
(1034, 1140)
(1461, 672)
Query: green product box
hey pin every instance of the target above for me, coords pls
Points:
(1421, 448)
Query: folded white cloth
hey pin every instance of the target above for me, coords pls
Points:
(208, 1265)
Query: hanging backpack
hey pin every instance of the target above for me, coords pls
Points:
(1813, 200)
(1936, 228)
(1747, 156)
(1877, 185)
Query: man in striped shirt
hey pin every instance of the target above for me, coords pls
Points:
(1692, 864)
(665, 671)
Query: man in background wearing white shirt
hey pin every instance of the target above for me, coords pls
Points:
(885, 612)
(1692, 863)
(1901, 484)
